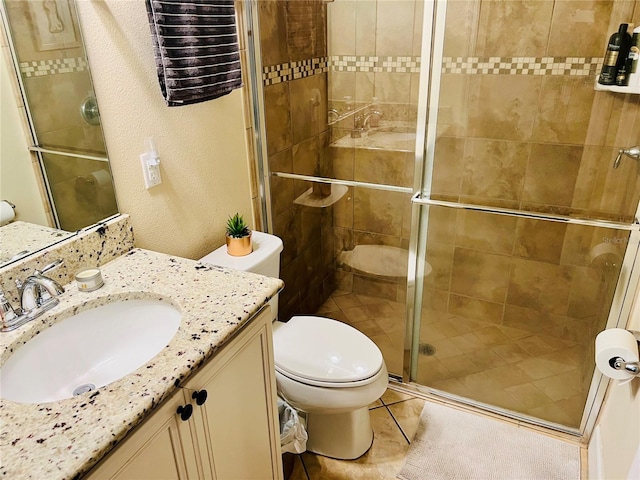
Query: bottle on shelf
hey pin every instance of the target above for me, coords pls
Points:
(632, 65)
(616, 56)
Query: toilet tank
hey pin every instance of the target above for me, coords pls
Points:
(264, 260)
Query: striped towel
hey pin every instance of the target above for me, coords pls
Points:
(196, 49)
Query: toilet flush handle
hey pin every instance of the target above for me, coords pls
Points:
(632, 152)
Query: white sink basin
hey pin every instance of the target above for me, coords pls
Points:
(88, 350)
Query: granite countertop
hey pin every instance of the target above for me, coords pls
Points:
(19, 237)
(64, 439)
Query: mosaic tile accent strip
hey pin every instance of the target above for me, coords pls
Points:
(573, 66)
(375, 64)
(579, 66)
(53, 67)
(294, 70)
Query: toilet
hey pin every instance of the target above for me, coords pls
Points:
(324, 368)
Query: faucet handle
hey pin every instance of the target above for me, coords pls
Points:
(51, 266)
(7, 313)
(631, 152)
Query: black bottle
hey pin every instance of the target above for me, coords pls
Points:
(630, 69)
(616, 55)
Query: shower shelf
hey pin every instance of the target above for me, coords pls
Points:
(616, 88)
(309, 200)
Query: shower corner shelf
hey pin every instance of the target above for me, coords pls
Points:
(616, 89)
(308, 200)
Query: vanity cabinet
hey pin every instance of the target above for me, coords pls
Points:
(160, 448)
(231, 430)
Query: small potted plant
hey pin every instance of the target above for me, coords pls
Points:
(238, 237)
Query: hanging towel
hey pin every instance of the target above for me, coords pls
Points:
(196, 49)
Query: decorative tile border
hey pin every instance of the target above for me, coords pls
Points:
(374, 64)
(53, 67)
(294, 70)
(573, 66)
(579, 66)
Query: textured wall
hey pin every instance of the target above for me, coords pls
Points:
(202, 147)
(18, 182)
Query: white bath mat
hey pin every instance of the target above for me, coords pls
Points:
(456, 445)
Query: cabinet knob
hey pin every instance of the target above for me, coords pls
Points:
(200, 397)
(185, 411)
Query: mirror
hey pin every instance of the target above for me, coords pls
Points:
(70, 186)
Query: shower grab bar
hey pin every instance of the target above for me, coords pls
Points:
(67, 154)
(417, 199)
(348, 183)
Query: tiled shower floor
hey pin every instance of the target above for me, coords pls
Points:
(510, 368)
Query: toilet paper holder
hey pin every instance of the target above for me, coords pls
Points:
(619, 363)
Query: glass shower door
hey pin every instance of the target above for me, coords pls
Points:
(524, 222)
(340, 145)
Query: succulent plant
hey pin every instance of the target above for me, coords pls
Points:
(236, 227)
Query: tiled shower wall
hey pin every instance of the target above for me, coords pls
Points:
(292, 35)
(374, 52)
(520, 126)
(531, 137)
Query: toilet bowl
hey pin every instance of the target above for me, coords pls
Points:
(325, 369)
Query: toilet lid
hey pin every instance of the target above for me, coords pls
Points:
(325, 350)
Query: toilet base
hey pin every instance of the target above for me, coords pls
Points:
(345, 436)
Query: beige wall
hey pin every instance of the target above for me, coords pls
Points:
(617, 450)
(202, 147)
(18, 182)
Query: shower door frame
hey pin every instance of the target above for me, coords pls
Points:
(434, 16)
(627, 283)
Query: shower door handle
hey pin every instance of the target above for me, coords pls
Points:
(632, 152)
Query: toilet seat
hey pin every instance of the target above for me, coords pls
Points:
(323, 352)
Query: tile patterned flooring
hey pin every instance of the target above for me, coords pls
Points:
(519, 370)
(394, 419)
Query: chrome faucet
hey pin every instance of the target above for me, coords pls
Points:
(37, 289)
(358, 126)
(362, 123)
(37, 295)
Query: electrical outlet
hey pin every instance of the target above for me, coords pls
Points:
(150, 170)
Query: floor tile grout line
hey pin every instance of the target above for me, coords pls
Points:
(399, 427)
(304, 467)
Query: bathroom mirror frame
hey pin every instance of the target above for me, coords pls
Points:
(12, 63)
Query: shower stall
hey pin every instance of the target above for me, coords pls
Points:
(50, 63)
(441, 174)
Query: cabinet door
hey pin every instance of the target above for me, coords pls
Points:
(161, 448)
(237, 426)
